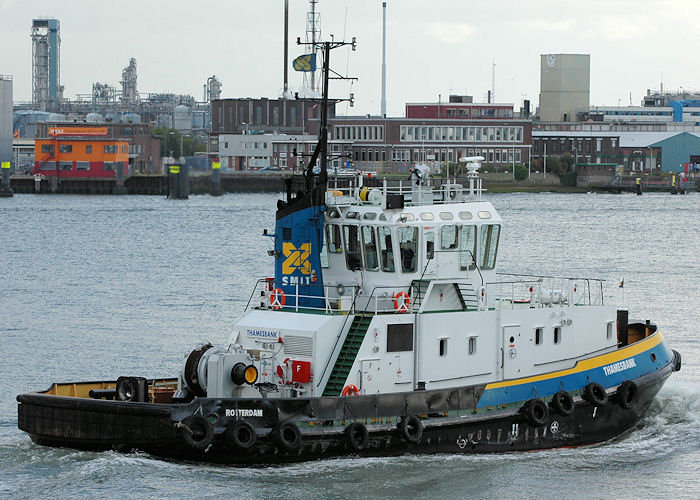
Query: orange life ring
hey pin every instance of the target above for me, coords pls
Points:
(350, 390)
(277, 298)
(402, 301)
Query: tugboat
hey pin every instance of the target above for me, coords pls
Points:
(385, 330)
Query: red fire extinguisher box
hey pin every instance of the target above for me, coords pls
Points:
(301, 371)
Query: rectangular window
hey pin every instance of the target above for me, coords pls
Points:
(557, 335)
(82, 165)
(47, 165)
(489, 245)
(609, 330)
(48, 148)
(408, 242)
(399, 338)
(353, 254)
(443, 347)
(108, 166)
(369, 247)
(65, 148)
(110, 148)
(386, 251)
(429, 245)
(472, 345)
(538, 336)
(467, 248)
(448, 237)
(65, 165)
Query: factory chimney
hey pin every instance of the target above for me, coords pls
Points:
(383, 60)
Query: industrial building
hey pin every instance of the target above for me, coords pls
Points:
(395, 144)
(143, 149)
(85, 152)
(565, 86)
(602, 145)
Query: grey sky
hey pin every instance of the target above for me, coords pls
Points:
(433, 47)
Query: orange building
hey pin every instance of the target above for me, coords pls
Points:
(80, 152)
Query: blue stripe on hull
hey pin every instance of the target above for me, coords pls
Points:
(628, 368)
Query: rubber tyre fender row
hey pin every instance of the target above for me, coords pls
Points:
(595, 394)
(411, 429)
(287, 436)
(240, 435)
(626, 394)
(563, 404)
(357, 436)
(536, 412)
(196, 432)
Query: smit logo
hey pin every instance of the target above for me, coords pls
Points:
(296, 258)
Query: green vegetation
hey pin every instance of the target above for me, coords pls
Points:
(520, 173)
(170, 141)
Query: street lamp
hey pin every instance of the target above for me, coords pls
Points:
(182, 137)
(166, 143)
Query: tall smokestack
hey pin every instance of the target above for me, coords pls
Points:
(383, 59)
(286, 48)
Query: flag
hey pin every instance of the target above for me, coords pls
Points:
(622, 283)
(16, 135)
(306, 62)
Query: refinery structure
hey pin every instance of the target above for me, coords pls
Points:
(107, 102)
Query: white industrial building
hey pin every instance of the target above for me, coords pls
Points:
(565, 86)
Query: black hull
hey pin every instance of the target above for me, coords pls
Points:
(70, 422)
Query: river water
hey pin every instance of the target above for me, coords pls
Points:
(97, 287)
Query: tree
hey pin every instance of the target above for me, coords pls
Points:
(170, 141)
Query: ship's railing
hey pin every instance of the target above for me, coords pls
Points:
(348, 191)
(272, 297)
(538, 291)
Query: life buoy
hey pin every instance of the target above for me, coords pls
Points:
(595, 394)
(357, 436)
(627, 394)
(287, 436)
(402, 301)
(350, 390)
(536, 412)
(277, 298)
(196, 432)
(411, 428)
(240, 435)
(563, 403)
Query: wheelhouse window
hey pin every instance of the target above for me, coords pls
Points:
(408, 242)
(353, 254)
(333, 237)
(429, 245)
(386, 250)
(369, 247)
(467, 247)
(448, 237)
(489, 245)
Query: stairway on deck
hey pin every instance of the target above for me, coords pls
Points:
(347, 355)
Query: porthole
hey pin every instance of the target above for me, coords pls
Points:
(653, 356)
(427, 216)
(484, 214)
(557, 335)
(369, 216)
(406, 217)
(446, 215)
(472, 345)
(465, 215)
